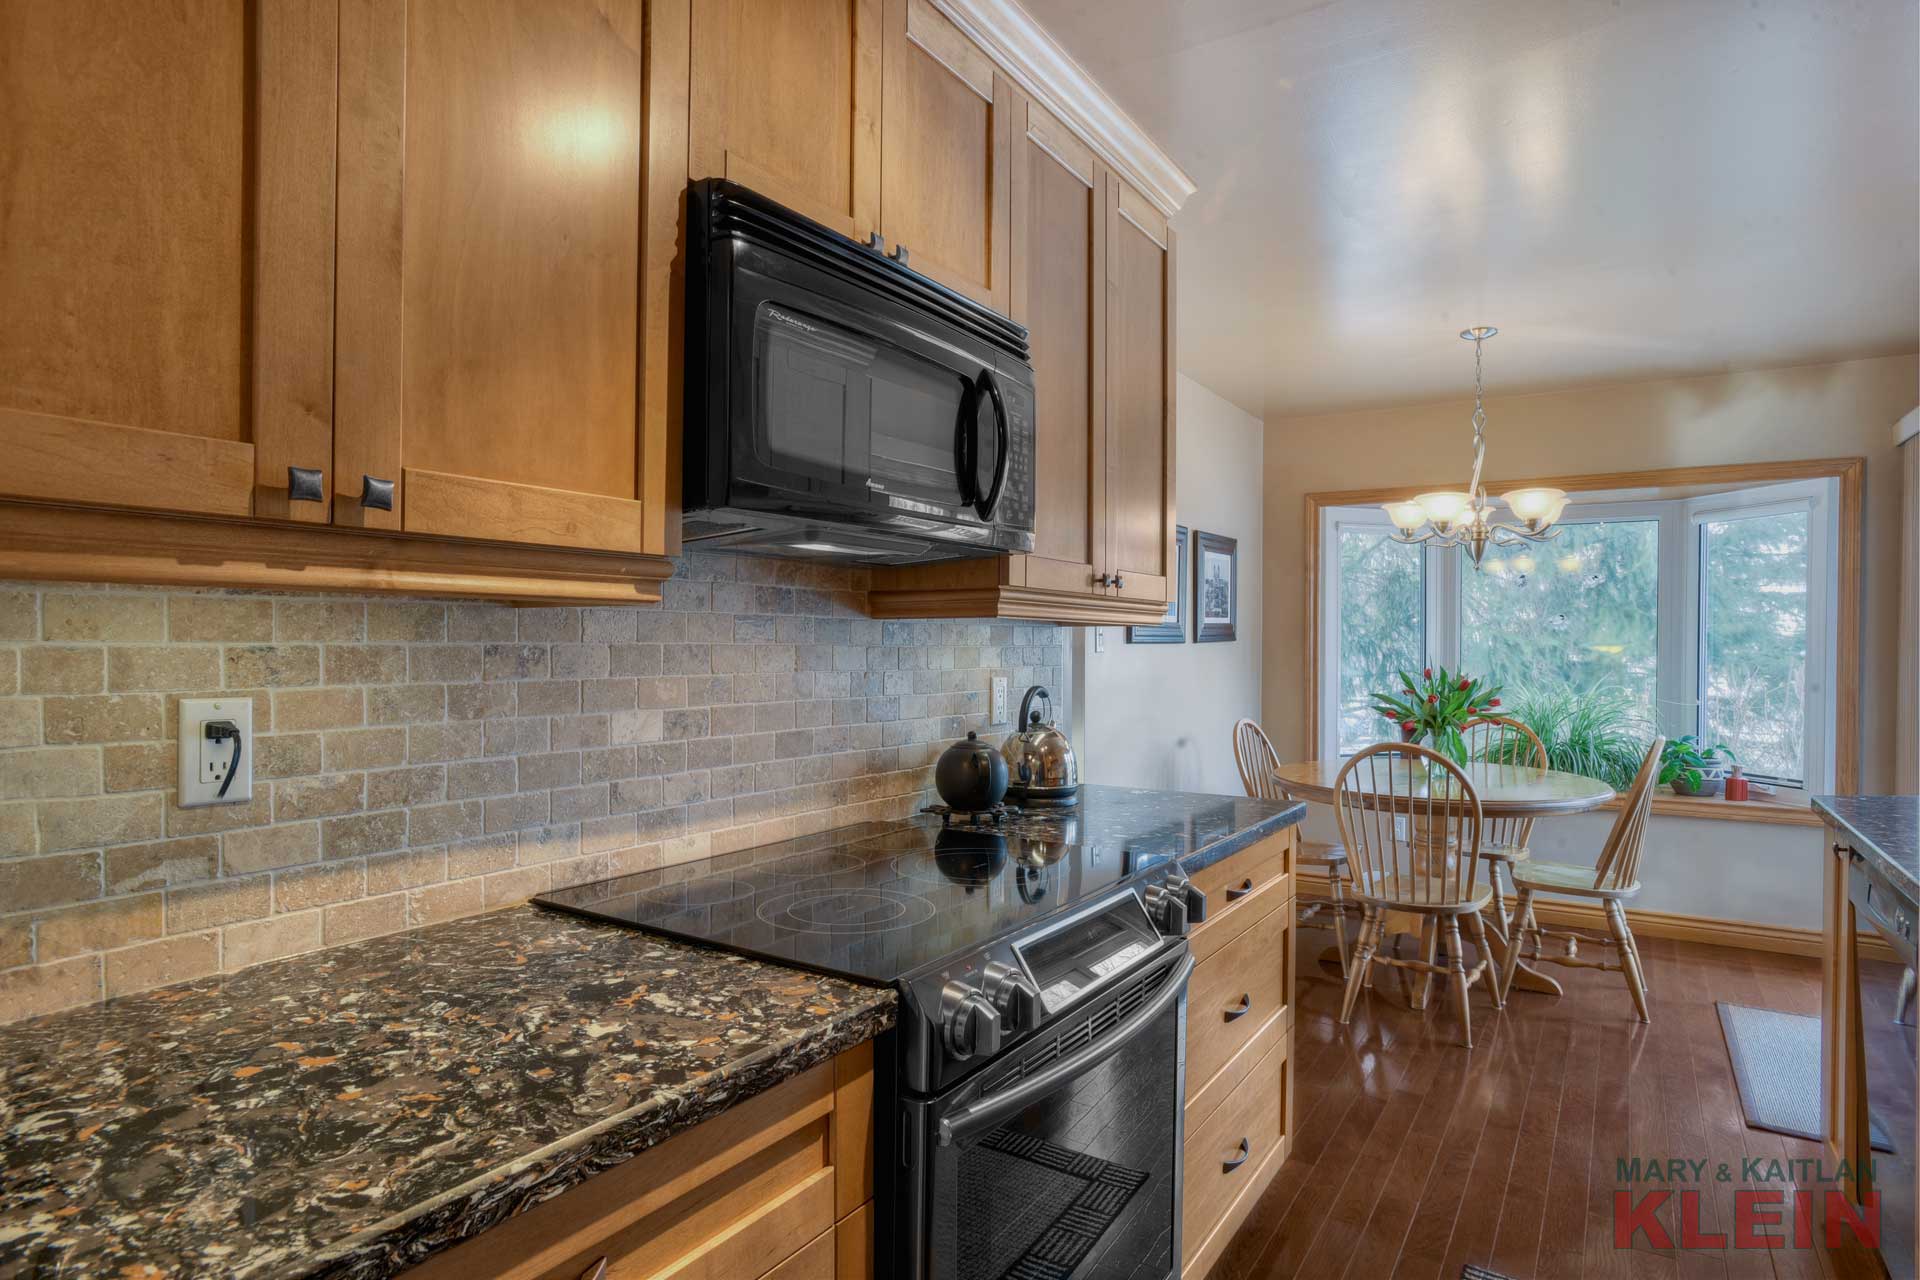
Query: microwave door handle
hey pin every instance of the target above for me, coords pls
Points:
(965, 439)
(991, 385)
(954, 1129)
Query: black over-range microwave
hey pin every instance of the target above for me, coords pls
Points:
(839, 405)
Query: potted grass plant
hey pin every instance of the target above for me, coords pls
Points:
(1434, 708)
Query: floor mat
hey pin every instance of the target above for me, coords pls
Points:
(1776, 1065)
(1069, 1199)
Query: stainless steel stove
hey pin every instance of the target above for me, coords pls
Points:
(1036, 1070)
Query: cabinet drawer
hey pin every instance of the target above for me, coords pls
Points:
(1241, 888)
(1253, 1115)
(1236, 992)
(813, 1262)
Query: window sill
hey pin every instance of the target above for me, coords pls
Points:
(1777, 812)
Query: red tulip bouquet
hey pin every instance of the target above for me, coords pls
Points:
(1434, 708)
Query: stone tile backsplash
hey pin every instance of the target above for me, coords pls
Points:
(420, 760)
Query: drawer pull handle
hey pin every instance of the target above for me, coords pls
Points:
(1241, 1158)
(1240, 890)
(305, 484)
(376, 494)
(597, 1271)
(1244, 1008)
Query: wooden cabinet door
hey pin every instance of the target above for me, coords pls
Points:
(1059, 241)
(1140, 514)
(945, 138)
(493, 213)
(166, 252)
(785, 99)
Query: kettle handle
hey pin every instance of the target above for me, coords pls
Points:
(1026, 703)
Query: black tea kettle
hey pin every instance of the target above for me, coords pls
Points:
(971, 776)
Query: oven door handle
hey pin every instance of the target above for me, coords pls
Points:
(969, 1119)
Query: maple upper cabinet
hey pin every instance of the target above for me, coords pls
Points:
(492, 223)
(785, 99)
(167, 253)
(1093, 284)
(1141, 556)
(945, 143)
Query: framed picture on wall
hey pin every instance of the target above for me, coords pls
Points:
(1216, 587)
(1171, 629)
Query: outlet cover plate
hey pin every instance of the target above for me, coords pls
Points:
(997, 712)
(203, 764)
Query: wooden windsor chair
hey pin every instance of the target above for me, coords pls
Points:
(1613, 880)
(1503, 841)
(1411, 822)
(1253, 752)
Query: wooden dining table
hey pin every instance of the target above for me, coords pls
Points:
(1504, 791)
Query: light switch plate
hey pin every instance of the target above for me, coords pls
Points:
(204, 764)
(1099, 639)
(997, 702)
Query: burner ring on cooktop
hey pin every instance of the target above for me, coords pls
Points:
(846, 911)
(704, 891)
(816, 862)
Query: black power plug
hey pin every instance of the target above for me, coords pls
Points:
(221, 731)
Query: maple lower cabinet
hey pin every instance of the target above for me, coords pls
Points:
(785, 98)
(779, 1187)
(167, 257)
(945, 143)
(492, 272)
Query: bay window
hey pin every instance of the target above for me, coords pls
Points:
(1713, 614)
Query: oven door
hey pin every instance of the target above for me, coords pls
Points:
(1062, 1157)
(852, 406)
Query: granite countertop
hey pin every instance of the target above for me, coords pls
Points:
(1885, 828)
(1153, 826)
(346, 1113)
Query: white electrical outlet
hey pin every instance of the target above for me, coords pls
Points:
(997, 702)
(206, 761)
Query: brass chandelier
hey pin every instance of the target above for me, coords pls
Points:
(1454, 518)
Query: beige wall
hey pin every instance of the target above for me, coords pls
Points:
(1812, 411)
(1161, 715)
(420, 760)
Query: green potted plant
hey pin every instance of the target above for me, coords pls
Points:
(1434, 708)
(1690, 768)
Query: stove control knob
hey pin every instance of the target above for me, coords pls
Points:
(1176, 904)
(969, 1022)
(1017, 999)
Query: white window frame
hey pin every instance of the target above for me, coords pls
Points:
(1679, 638)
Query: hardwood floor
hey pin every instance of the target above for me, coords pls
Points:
(1414, 1156)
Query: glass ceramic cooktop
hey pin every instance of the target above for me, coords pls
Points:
(873, 902)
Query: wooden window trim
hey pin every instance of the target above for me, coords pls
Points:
(1850, 472)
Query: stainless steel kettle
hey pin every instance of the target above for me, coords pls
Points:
(1039, 758)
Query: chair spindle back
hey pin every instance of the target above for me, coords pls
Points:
(1411, 822)
(1619, 864)
(1253, 752)
(1502, 740)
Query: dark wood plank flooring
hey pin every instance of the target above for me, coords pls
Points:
(1414, 1156)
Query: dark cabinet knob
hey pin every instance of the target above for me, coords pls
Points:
(876, 242)
(1118, 582)
(1240, 890)
(1242, 1009)
(376, 494)
(306, 484)
(1239, 1158)
(1102, 581)
(899, 254)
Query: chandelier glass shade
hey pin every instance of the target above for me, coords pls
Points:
(1468, 518)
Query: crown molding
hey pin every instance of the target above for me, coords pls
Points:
(1035, 60)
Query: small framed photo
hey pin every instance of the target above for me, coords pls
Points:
(1171, 629)
(1216, 587)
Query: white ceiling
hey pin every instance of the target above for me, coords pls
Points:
(1628, 188)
